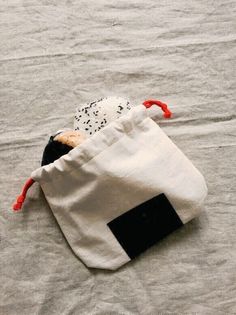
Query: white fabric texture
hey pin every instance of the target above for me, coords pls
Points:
(128, 162)
(93, 116)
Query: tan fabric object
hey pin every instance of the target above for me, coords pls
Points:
(72, 138)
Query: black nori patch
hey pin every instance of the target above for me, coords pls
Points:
(141, 227)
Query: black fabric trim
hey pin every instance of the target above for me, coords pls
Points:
(141, 227)
(54, 150)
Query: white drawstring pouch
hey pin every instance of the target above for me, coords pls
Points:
(121, 190)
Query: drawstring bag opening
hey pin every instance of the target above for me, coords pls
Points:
(148, 103)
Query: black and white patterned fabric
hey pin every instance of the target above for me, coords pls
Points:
(93, 116)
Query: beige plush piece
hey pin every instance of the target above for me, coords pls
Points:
(72, 138)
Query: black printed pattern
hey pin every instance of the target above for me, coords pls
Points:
(92, 117)
(141, 227)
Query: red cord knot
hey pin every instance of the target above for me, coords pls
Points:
(163, 106)
(21, 198)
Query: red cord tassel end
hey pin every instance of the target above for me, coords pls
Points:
(21, 198)
(163, 106)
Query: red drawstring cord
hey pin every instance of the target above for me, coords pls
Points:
(21, 198)
(163, 106)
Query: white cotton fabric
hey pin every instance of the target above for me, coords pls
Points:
(123, 165)
(92, 117)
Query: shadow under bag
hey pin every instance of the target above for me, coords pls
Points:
(121, 190)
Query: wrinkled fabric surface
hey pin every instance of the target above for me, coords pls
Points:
(55, 55)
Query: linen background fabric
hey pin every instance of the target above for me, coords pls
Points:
(55, 55)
